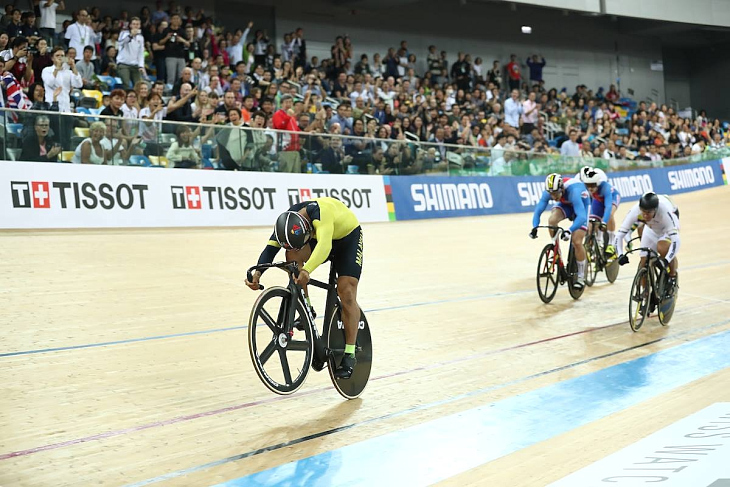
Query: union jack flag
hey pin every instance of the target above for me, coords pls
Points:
(14, 95)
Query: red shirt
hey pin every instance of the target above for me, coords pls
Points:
(284, 121)
(513, 69)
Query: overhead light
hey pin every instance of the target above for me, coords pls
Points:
(526, 29)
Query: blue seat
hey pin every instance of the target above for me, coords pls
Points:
(138, 160)
(15, 129)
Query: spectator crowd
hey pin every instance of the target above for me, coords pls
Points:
(179, 65)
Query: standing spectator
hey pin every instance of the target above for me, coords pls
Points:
(16, 23)
(159, 15)
(158, 52)
(284, 119)
(530, 111)
(43, 59)
(130, 60)
(299, 48)
(612, 95)
(460, 71)
(18, 60)
(570, 147)
(48, 17)
(494, 75)
(62, 74)
(261, 44)
(7, 17)
(513, 73)
(28, 29)
(434, 63)
(38, 147)
(513, 109)
(175, 43)
(535, 69)
(80, 34)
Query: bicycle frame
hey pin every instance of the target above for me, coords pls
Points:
(320, 351)
(556, 245)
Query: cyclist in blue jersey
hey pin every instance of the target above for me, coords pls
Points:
(573, 201)
(604, 201)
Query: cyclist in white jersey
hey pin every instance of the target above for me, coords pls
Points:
(661, 230)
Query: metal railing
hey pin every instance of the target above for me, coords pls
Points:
(83, 138)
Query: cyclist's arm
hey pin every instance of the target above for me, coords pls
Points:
(607, 193)
(270, 251)
(581, 213)
(324, 232)
(626, 226)
(541, 205)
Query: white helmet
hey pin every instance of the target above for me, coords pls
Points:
(553, 183)
(589, 175)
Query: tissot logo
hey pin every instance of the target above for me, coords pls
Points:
(221, 198)
(357, 198)
(38, 194)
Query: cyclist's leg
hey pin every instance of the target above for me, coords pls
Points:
(663, 248)
(557, 215)
(597, 208)
(612, 219)
(347, 258)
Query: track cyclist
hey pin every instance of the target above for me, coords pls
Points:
(573, 203)
(660, 217)
(604, 201)
(313, 232)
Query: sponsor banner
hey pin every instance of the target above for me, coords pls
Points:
(691, 452)
(417, 197)
(37, 195)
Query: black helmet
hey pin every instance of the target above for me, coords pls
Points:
(292, 230)
(649, 202)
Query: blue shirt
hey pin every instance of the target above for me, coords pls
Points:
(576, 195)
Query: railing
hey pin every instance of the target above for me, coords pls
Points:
(82, 138)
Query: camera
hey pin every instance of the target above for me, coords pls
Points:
(32, 50)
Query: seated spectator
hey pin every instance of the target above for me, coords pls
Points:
(117, 144)
(91, 150)
(181, 110)
(181, 152)
(130, 109)
(109, 62)
(39, 147)
(37, 94)
(87, 69)
(186, 77)
(333, 157)
(114, 109)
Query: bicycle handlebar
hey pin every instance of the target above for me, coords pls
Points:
(553, 227)
(290, 267)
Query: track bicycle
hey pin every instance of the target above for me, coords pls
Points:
(596, 259)
(551, 271)
(284, 341)
(652, 287)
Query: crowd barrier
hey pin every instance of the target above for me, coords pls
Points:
(38, 195)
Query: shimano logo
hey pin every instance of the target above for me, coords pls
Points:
(691, 178)
(450, 196)
(632, 185)
(530, 193)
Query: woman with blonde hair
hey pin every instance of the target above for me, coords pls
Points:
(142, 88)
(91, 150)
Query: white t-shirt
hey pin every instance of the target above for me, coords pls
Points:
(48, 16)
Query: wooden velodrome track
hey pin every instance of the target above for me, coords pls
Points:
(124, 360)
